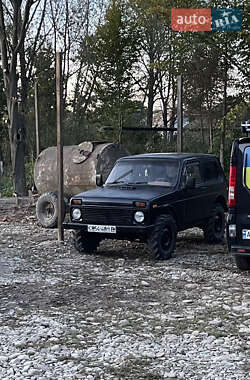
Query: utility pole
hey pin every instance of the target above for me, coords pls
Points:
(224, 108)
(37, 116)
(179, 115)
(59, 144)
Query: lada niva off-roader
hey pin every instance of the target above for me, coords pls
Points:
(151, 197)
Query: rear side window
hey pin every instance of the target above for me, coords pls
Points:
(211, 172)
(246, 167)
(191, 170)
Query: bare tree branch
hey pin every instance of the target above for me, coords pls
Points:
(28, 5)
(34, 49)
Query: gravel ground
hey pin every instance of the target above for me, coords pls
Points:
(117, 314)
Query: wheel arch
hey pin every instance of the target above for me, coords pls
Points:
(166, 210)
(221, 200)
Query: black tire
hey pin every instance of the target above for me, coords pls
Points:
(84, 243)
(242, 262)
(47, 210)
(163, 238)
(214, 230)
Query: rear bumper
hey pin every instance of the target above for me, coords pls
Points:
(240, 250)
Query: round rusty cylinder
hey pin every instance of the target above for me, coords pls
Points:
(81, 163)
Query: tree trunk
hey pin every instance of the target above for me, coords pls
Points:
(202, 128)
(12, 45)
(210, 135)
(150, 109)
(173, 109)
(16, 137)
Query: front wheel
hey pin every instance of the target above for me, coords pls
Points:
(242, 262)
(84, 243)
(215, 228)
(163, 238)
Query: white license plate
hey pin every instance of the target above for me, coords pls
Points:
(245, 234)
(102, 229)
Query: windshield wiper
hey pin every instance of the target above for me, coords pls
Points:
(115, 182)
(136, 183)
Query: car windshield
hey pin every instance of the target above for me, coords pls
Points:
(160, 172)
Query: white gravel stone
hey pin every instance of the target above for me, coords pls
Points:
(68, 316)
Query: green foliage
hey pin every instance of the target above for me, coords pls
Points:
(6, 183)
(115, 48)
(235, 116)
(127, 69)
(29, 171)
(45, 77)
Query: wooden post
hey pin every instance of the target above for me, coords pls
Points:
(179, 115)
(37, 116)
(224, 111)
(59, 144)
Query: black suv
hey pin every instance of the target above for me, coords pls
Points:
(151, 197)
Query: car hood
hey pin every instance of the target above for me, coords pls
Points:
(123, 194)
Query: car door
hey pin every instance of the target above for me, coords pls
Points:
(213, 183)
(195, 197)
(243, 195)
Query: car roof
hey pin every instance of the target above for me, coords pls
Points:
(173, 155)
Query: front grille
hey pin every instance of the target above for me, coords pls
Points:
(107, 216)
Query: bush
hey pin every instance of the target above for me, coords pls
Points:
(6, 185)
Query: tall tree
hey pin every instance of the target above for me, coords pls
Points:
(14, 22)
(3, 131)
(45, 78)
(154, 37)
(115, 48)
(233, 49)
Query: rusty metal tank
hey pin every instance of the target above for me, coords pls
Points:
(81, 164)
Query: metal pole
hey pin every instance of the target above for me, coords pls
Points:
(37, 116)
(59, 144)
(179, 115)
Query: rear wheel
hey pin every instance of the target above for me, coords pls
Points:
(163, 238)
(242, 262)
(215, 228)
(83, 243)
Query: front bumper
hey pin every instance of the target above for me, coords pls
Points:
(121, 231)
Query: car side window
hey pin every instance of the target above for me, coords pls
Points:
(191, 170)
(211, 173)
(246, 167)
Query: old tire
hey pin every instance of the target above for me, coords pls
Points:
(84, 243)
(242, 262)
(47, 209)
(163, 238)
(214, 230)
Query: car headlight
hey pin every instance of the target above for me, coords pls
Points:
(76, 214)
(139, 216)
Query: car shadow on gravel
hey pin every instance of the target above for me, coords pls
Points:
(189, 243)
(123, 250)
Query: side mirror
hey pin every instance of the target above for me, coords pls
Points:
(190, 184)
(99, 180)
